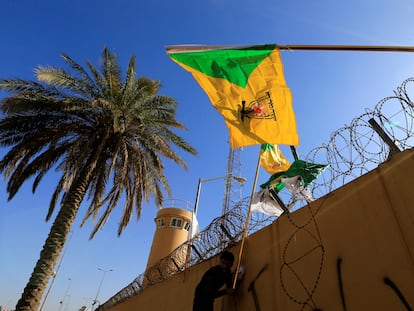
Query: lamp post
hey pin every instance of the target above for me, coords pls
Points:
(100, 284)
(228, 178)
(66, 294)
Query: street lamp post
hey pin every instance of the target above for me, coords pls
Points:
(66, 294)
(240, 180)
(100, 285)
(228, 179)
(226, 200)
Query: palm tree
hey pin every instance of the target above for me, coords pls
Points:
(107, 136)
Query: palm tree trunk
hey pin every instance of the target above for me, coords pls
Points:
(52, 249)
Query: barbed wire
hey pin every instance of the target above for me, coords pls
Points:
(352, 151)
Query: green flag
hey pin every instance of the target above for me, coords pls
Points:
(307, 170)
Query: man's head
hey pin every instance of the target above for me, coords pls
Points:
(226, 260)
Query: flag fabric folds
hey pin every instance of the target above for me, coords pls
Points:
(296, 179)
(195, 228)
(262, 202)
(307, 170)
(247, 87)
(295, 186)
(272, 159)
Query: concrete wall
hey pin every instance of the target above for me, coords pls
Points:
(350, 250)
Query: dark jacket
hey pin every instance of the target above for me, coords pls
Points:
(209, 288)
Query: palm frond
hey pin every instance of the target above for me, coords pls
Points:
(100, 81)
(58, 77)
(55, 196)
(82, 75)
(61, 120)
(112, 73)
(130, 79)
(21, 86)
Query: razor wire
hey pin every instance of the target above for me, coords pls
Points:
(352, 151)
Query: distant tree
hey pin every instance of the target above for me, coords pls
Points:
(106, 136)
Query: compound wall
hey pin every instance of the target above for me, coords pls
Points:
(352, 249)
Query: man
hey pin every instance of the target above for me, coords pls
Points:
(209, 287)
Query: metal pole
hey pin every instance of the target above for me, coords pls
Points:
(200, 181)
(377, 128)
(193, 215)
(228, 183)
(240, 180)
(189, 237)
(100, 284)
(66, 293)
(247, 223)
(365, 48)
(296, 47)
(294, 153)
(228, 177)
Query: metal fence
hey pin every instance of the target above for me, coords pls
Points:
(352, 151)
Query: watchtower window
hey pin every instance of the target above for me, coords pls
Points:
(176, 222)
(160, 222)
(187, 226)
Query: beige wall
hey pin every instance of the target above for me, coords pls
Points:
(350, 250)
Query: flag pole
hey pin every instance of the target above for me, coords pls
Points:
(367, 48)
(296, 47)
(243, 241)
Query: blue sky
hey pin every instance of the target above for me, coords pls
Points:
(329, 89)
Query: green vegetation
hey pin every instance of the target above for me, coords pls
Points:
(105, 135)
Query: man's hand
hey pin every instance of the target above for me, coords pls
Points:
(231, 291)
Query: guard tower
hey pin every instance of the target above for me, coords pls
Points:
(173, 224)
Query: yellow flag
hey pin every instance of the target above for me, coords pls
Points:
(272, 159)
(247, 86)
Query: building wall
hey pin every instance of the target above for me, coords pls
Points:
(352, 249)
(167, 237)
